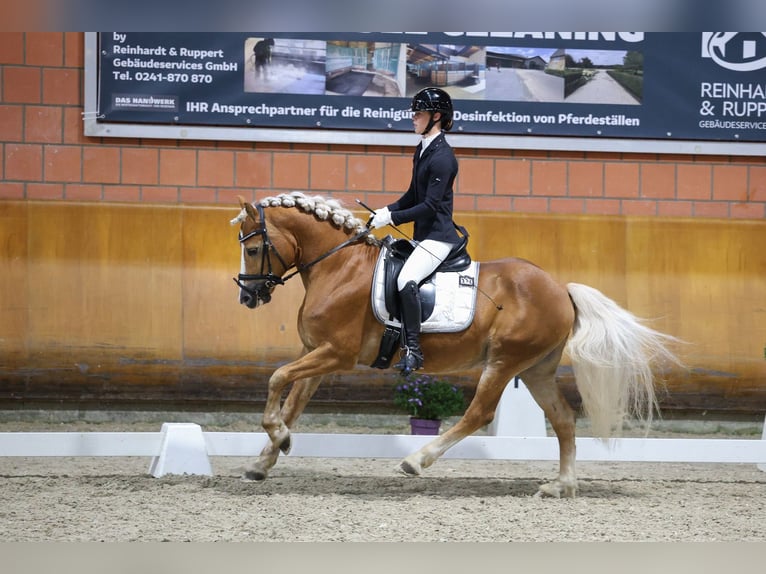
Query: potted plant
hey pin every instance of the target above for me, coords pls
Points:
(428, 401)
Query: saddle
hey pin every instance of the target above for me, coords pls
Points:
(398, 252)
(452, 311)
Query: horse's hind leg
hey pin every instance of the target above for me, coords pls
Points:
(541, 382)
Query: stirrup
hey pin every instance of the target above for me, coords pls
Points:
(411, 360)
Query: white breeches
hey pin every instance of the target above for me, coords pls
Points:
(426, 257)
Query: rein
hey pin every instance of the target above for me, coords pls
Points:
(271, 278)
(349, 241)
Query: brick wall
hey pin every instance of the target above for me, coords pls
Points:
(45, 156)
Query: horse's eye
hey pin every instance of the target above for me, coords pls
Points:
(252, 251)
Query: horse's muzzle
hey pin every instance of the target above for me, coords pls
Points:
(250, 301)
(250, 297)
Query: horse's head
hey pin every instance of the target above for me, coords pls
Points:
(263, 268)
(256, 279)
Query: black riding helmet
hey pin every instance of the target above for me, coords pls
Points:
(434, 100)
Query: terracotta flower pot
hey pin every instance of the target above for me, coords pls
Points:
(424, 426)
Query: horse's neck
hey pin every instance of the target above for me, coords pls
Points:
(314, 238)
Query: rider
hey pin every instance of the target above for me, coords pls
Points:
(262, 52)
(427, 203)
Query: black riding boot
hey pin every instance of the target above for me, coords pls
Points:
(412, 359)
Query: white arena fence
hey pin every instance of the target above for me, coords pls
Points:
(518, 433)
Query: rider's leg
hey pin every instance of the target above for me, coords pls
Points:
(424, 260)
(412, 356)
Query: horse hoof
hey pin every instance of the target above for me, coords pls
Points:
(254, 474)
(545, 492)
(286, 445)
(556, 490)
(409, 469)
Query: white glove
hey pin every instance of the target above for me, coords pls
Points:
(381, 218)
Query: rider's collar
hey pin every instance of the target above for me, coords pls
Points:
(426, 141)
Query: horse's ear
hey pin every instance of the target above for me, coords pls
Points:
(250, 210)
(247, 206)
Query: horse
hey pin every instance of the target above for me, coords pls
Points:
(524, 321)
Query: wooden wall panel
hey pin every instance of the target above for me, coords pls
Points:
(105, 276)
(14, 281)
(134, 303)
(104, 306)
(712, 276)
(705, 281)
(580, 249)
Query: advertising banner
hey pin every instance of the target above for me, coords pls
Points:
(708, 86)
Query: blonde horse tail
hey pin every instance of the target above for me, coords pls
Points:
(613, 355)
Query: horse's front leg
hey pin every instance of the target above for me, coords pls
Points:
(310, 366)
(297, 399)
(281, 441)
(275, 427)
(479, 413)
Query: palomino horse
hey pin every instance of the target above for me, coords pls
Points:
(523, 323)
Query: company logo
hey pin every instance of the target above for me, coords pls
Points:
(738, 51)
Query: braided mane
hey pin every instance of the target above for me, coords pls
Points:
(324, 209)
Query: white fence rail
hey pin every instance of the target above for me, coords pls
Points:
(183, 448)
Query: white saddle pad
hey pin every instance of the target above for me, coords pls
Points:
(455, 299)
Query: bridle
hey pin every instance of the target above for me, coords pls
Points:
(269, 278)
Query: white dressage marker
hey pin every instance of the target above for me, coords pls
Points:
(763, 439)
(517, 413)
(182, 451)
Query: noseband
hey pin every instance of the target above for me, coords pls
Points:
(269, 279)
